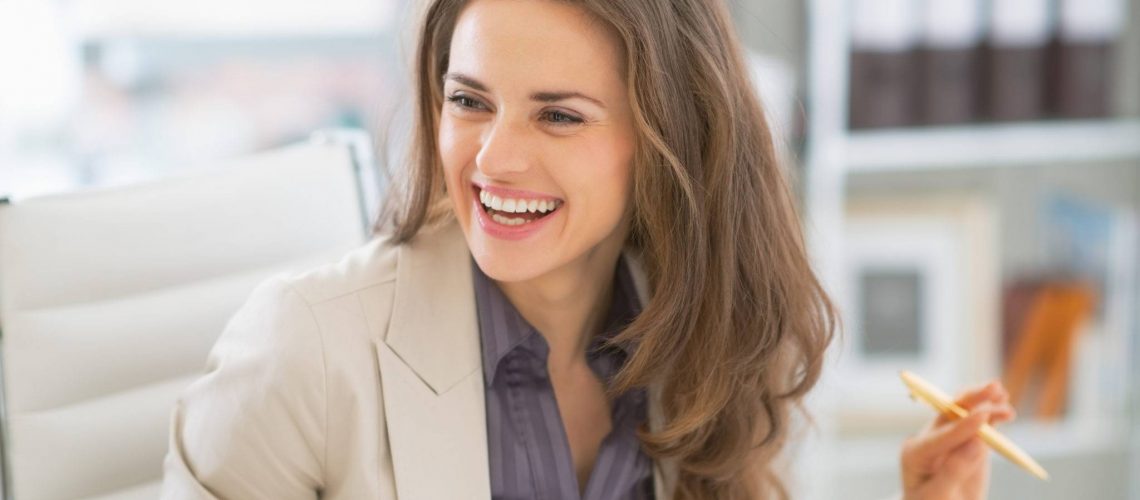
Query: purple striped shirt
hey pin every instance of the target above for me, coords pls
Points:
(529, 455)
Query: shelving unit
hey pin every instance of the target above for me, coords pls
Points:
(993, 145)
(834, 155)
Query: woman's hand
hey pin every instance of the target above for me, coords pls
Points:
(947, 460)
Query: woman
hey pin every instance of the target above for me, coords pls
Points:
(592, 285)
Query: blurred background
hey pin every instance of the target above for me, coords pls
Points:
(969, 174)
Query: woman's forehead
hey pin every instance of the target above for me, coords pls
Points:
(535, 43)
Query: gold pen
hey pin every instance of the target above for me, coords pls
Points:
(940, 401)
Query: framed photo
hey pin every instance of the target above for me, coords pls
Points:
(921, 294)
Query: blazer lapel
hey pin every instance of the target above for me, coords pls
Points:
(431, 373)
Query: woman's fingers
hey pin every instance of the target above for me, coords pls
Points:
(1001, 413)
(964, 459)
(992, 394)
(949, 449)
(921, 452)
(962, 465)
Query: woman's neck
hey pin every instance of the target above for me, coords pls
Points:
(568, 305)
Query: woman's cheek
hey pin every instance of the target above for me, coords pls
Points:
(455, 148)
(447, 144)
(451, 156)
(617, 176)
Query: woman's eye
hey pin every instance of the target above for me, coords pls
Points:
(464, 101)
(554, 117)
(560, 118)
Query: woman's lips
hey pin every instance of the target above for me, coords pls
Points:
(515, 218)
(510, 193)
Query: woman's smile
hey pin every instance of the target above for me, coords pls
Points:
(512, 214)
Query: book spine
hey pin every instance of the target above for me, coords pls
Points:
(883, 79)
(1016, 74)
(1089, 30)
(949, 61)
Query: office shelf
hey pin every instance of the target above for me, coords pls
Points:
(993, 145)
(836, 160)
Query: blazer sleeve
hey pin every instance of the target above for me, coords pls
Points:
(254, 425)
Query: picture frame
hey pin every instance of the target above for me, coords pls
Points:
(922, 295)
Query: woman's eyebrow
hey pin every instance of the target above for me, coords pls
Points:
(466, 80)
(544, 96)
(558, 96)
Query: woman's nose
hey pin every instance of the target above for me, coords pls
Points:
(506, 149)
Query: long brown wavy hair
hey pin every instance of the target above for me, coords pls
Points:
(736, 325)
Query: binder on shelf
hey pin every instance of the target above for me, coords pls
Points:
(883, 79)
(1016, 74)
(949, 61)
(1088, 32)
(1044, 344)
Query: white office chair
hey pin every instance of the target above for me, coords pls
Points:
(111, 299)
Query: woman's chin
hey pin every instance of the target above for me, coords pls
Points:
(507, 262)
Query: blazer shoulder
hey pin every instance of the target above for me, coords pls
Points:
(369, 265)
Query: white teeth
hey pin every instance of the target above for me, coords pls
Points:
(516, 206)
(512, 205)
(513, 221)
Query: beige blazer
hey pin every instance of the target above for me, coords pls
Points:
(360, 379)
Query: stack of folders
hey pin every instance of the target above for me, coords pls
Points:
(936, 62)
(1088, 35)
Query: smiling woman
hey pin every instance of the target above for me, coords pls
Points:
(590, 283)
(637, 118)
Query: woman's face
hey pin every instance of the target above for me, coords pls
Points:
(536, 136)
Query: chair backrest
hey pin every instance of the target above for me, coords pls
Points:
(111, 299)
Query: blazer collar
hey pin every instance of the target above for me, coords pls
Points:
(434, 287)
(433, 309)
(434, 312)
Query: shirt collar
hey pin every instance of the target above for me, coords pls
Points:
(502, 329)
